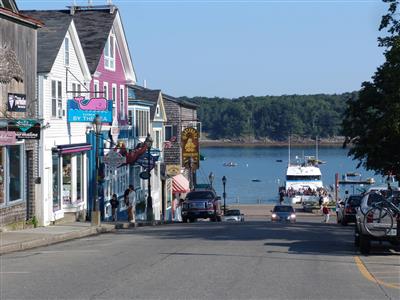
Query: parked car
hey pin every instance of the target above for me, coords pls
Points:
(283, 213)
(363, 238)
(347, 212)
(233, 215)
(201, 204)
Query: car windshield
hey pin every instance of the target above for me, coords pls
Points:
(200, 195)
(233, 212)
(283, 209)
(354, 200)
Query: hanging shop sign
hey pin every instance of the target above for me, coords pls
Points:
(113, 159)
(8, 138)
(16, 102)
(173, 170)
(190, 148)
(25, 129)
(81, 109)
(144, 161)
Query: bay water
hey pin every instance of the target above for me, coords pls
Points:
(267, 165)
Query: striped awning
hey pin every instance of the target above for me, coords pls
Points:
(180, 184)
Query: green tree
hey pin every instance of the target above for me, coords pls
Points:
(372, 120)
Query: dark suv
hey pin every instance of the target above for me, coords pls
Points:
(201, 204)
(348, 212)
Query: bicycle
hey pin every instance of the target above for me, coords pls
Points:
(379, 220)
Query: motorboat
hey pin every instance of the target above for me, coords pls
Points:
(230, 164)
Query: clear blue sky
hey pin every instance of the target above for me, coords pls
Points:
(238, 48)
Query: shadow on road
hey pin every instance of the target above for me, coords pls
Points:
(311, 238)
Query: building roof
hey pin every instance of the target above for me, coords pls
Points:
(179, 101)
(50, 37)
(9, 8)
(142, 93)
(94, 26)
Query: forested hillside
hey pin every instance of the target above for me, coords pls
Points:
(272, 117)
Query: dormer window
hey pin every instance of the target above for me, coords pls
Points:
(66, 51)
(109, 53)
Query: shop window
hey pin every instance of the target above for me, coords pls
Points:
(2, 177)
(66, 173)
(142, 123)
(15, 180)
(170, 132)
(56, 181)
(79, 175)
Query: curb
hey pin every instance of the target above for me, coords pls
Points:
(50, 240)
(126, 225)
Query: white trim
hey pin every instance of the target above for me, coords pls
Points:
(79, 52)
(122, 102)
(107, 95)
(66, 51)
(124, 49)
(111, 59)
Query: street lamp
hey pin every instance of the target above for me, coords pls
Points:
(224, 194)
(95, 219)
(149, 143)
(211, 178)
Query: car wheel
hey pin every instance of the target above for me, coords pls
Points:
(365, 244)
(343, 221)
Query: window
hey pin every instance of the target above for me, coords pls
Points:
(157, 139)
(158, 111)
(130, 117)
(66, 179)
(66, 51)
(109, 53)
(170, 132)
(15, 186)
(78, 89)
(96, 88)
(56, 98)
(73, 90)
(79, 176)
(56, 181)
(142, 122)
(121, 102)
(105, 90)
(114, 99)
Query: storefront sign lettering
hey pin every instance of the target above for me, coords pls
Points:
(113, 159)
(25, 129)
(190, 148)
(7, 138)
(16, 102)
(80, 109)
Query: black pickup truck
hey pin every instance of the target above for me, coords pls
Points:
(201, 204)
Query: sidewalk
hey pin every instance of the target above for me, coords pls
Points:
(18, 240)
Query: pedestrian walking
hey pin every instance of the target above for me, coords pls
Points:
(114, 207)
(325, 211)
(132, 204)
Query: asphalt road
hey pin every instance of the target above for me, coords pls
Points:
(251, 260)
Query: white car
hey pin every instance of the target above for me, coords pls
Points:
(233, 215)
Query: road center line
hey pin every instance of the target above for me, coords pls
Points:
(364, 271)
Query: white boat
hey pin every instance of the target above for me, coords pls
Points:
(303, 182)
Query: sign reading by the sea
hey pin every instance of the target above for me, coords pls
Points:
(85, 110)
(190, 148)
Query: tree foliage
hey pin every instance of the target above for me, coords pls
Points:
(372, 120)
(272, 117)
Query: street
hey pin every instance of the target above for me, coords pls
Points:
(204, 260)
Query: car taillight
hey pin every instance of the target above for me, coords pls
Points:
(370, 218)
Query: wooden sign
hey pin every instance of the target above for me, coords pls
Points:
(190, 148)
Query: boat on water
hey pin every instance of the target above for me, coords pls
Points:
(303, 181)
(230, 164)
(256, 180)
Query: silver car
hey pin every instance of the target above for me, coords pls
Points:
(233, 215)
(283, 213)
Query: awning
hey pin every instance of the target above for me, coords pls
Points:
(74, 148)
(180, 184)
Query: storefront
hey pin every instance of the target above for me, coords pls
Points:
(69, 173)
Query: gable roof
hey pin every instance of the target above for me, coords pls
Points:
(50, 37)
(180, 101)
(94, 26)
(9, 4)
(142, 93)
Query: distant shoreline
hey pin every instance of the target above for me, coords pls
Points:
(335, 142)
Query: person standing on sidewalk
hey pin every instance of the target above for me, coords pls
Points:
(132, 204)
(114, 207)
(325, 211)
